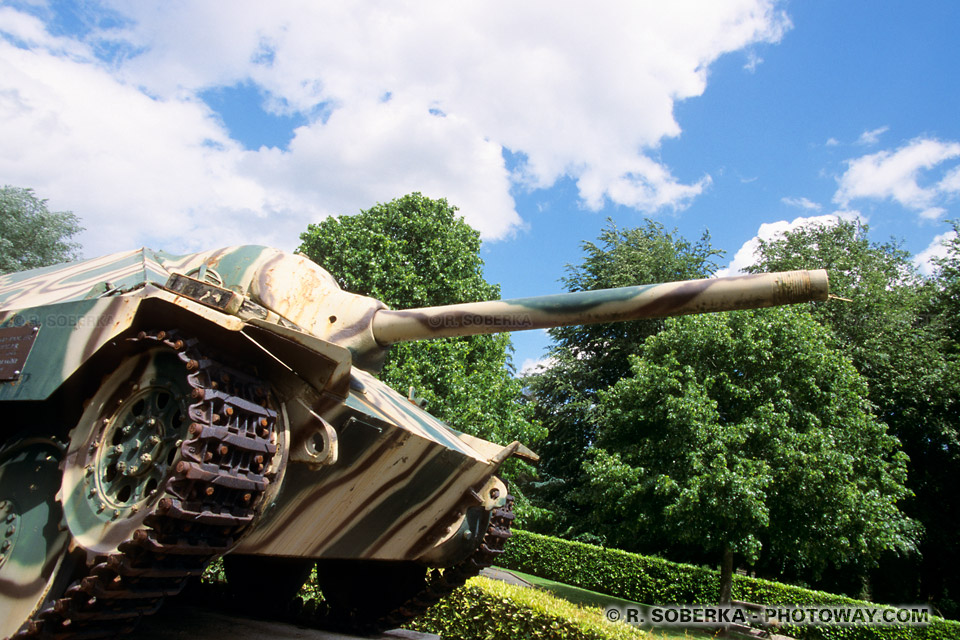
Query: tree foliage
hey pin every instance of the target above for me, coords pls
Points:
(937, 504)
(415, 252)
(31, 235)
(886, 295)
(748, 432)
(947, 291)
(900, 332)
(587, 359)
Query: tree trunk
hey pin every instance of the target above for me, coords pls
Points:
(726, 576)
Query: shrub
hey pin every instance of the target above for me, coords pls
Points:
(494, 610)
(498, 611)
(649, 580)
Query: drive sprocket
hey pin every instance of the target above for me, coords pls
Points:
(164, 473)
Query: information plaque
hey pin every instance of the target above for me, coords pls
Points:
(15, 344)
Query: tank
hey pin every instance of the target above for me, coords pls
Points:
(163, 411)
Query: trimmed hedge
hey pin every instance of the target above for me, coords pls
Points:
(649, 580)
(498, 611)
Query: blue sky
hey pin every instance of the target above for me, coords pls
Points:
(186, 125)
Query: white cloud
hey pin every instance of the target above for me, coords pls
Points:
(747, 254)
(896, 175)
(124, 140)
(872, 137)
(936, 249)
(753, 61)
(131, 165)
(29, 31)
(951, 182)
(932, 213)
(531, 366)
(802, 203)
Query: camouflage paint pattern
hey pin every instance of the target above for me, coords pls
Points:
(31, 543)
(604, 305)
(366, 473)
(102, 509)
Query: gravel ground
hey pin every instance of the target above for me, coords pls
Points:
(180, 622)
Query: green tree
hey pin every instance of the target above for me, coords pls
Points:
(748, 433)
(588, 359)
(896, 330)
(947, 290)
(31, 235)
(416, 252)
(937, 472)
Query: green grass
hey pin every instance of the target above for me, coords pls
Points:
(587, 598)
(575, 595)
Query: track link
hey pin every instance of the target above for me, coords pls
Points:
(209, 499)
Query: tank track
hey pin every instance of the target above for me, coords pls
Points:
(210, 499)
(439, 584)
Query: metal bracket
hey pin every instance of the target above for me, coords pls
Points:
(319, 447)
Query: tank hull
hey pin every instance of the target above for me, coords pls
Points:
(176, 409)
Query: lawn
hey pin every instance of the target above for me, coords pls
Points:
(587, 598)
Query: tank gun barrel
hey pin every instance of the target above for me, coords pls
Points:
(604, 305)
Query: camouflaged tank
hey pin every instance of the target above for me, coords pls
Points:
(162, 411)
